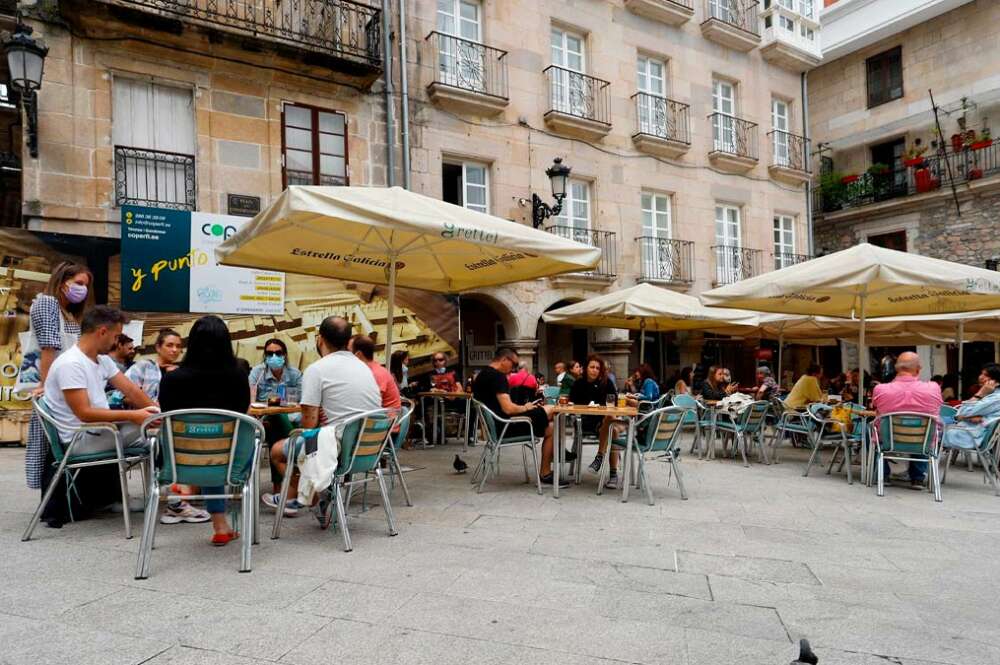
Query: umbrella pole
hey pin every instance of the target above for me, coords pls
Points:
(862, 355)
(390, 305)
(642, 341)
(960, 341)
(781, 344)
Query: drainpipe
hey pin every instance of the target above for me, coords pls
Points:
(805, 149)
(404, 94)
(390, 106)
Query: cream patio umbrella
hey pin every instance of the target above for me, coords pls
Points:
(645, 307)
(862, 282)
(396, 237)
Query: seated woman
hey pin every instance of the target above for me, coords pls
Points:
(594, 387)
(716, 387)
(683, 385)
(273, 378)
(644, 383)
(976, 414)
(208, 378)
(569, 378)
(149, 372)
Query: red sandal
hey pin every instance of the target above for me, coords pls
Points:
(220, 539)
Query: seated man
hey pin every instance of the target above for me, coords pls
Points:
(806, 390)
(334, 388)
(74, 388)
(767, 387)
(441, 378)
(491, 389)
(906, 392)
(976, 415)
(363, 347)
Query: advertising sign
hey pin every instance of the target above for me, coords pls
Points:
(168, 265)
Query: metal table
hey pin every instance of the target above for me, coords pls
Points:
(560, 412)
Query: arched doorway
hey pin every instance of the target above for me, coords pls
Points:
(558, 343)
(485, 323)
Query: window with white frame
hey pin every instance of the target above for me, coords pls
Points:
(568, 89)
(575, 213)
(651, 83)
(784, 241)
(655, 215)
(466, 184)
(460, 61)
(155, 143)
(779, 137)
(723, 122)
(660, 260)
(728, 241)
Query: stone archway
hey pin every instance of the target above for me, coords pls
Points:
(487, 322)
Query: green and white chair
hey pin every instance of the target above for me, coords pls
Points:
(205, 448)
(908, 437)
(829, 432)
(788, 421)
(494, 429)
(126, 455)
(987, 451)
(698, 417)
(748, 424)
(657, 433)
(363, 441)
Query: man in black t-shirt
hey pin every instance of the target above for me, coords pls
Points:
(491, 389)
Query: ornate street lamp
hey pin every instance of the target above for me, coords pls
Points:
(26, 61)
(558, 175)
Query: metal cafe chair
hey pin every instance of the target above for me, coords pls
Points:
(659, 432)
(205, 448)
(748, 424)
(125, 454)
(826, 431)
(909, 437)
(494, 429)
(986, 451)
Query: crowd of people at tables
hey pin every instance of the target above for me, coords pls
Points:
(87, 372)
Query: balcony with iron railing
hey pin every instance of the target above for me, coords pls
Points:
(787, 259)
(789, 157)
(663, 126)
(924, 175)
(606, 241)
(734, 263)
(579, 105)
(342, 35)
(468, 76)
(671, 12)
(155, 178)
(666, 260)
(732, 23)
(734, 143)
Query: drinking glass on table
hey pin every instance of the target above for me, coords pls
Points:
(609, 401)
(622, 400)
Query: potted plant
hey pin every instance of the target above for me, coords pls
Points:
(975, 173)
(914, 155)
(848, 179)
(957, 141)
(832, 191)
(985, 140)
(878, 169)
(924, 181)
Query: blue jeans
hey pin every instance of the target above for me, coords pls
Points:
(917, 471)
(214, 506)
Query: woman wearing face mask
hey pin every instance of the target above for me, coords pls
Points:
(274, 378)
(55, 326)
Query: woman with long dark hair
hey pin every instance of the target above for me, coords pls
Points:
(149, 372)
(54, 327)
(593, 388)
(208, 378)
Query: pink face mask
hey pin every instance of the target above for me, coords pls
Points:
(76, 293)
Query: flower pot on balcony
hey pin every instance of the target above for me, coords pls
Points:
(975, 174)
(924, 181)
(979, 145)
(957, 141)
(848, 179)
(914, 163)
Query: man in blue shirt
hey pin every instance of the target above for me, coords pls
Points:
(976, 414)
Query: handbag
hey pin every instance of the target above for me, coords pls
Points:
(30, 375)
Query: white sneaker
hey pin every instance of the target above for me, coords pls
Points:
(272, 500)
(184, 512)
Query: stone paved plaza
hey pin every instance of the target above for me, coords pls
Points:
(754, 560)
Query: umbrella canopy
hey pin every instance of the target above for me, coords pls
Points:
(396, 237)
(889, 283)
(648, 307)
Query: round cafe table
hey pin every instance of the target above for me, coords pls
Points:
(560, 411)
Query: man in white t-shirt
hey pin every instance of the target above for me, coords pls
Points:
(74, 387)
(334, 388)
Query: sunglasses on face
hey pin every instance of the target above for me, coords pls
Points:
(439, 360)
(268, 354)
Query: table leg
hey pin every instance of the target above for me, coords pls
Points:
(711, 436)
(557, 449)
(468, 425)
(434, 421)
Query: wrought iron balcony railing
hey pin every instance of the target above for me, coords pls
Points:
(605, 240)
(733, 136)
(741, 14)
(666, 260)
(785, 259)
(336, 27)
(470, 66)
(733, 263)
(154, 178)
(578, 95)
(927, 174)
(789, 150)
(662, 117)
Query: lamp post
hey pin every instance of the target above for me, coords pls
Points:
(558, 174)
(26, 61)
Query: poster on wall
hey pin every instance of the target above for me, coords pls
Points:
(168, 265)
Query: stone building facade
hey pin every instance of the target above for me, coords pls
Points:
(666, 110)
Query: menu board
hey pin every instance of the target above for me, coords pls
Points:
(168, 265)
